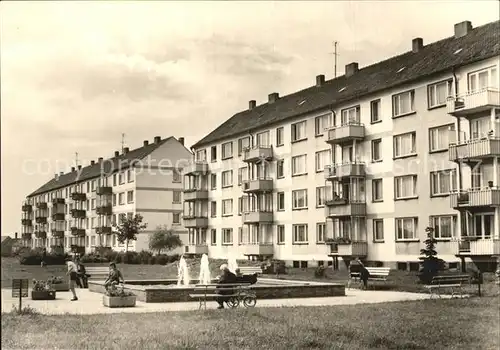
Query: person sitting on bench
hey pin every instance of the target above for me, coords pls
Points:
(114, 277)
(227, 277)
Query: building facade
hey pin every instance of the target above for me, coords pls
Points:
(76, 211)
(360, 165)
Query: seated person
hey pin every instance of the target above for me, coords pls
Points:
(114, 277)
(227, 277)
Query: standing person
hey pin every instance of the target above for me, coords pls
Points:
(43, 263)
(73, 277)
(227, 277)
(363, 273)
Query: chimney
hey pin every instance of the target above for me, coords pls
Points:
(56, 176)
(117, 153)
(251, 104)
(100, 159)
(320, 80)
(15, 235)
(92, 162)
(79, 167)
(146, 142)
(125, 150)
(61, 173)
(73, 169)
(157, 139)
(181, 140)
(462, 29)
(273, 97)
(351, 68)
(417, 44)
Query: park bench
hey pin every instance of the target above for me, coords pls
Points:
(97, 272)
(240, 292)
(250, 270)
(377, 274)
(453, 283)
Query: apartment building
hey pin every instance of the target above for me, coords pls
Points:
(76, 211)
(360, 165)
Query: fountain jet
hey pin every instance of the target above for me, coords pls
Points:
(205, 277)
(182, 272)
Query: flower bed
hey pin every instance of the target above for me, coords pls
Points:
(118, 297)
(58, 284)
(42, 290)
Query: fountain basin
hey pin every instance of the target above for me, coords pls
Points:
(167, 291)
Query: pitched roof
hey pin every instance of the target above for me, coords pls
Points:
(481, 43)
(93, 171)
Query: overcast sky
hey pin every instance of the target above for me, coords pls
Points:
(75, 76)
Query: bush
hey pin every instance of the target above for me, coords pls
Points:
(161, 259)
(319, 272)
(93, 258)
(430, 264)
(144, 256)
(34, 257)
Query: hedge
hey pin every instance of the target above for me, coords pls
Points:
(143, 257)
(34, 257)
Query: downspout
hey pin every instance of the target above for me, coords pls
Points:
(459, 130)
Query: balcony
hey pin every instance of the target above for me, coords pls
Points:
(258, 154)
(41, 205)
(473, 102)
(78, 196)
(104, 209)
(41, 234)
(252, 249)
(27, 208)
(77, 231)
(195, 194)
(339, 171)
(78, 213)
(197, 249)
(195, 221)
(476, 198)
(258, 216)
(258, 185)
(58, 216)
(78, 248)
(343, 207)
(475, 247)
(58, 200)
(26, 222)
(41, 219)
(346, 133)
(103, 230)
(355, 249)
(196, 168)
(56, 233)
(104, 190)
(487, 147)
(26, 235)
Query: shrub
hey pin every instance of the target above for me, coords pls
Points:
(93, 258)
(430, 264)
(34, 257)
(144, 256)
(162, 259)
(117, 291)
(319, 272)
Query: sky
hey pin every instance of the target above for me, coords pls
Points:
(76, 75)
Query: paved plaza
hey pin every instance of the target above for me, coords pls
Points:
(91, 303)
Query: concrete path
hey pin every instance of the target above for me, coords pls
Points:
(91, 303)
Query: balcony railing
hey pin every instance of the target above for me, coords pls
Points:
(41, 219)
(41, 205)
(58, 200)
(257, 185)
(486, 147)
(27, 235)
(57, 233)
(479, 246)
(58, 216)
(103, 230)
(26, 222)
(41, 234)
(78, 213)
(257, 154)
(344, 207)
(487, 197)
(78, 196)
(104, 190)
(77, 231)
(258, 216)
(196, 168)
(195, 194)
(192, 248)
(473, 102)
(346, 133)
(27, 208)
(195, 221)
(258, 248)
(356, 248)
(105, 209)
(351, 169)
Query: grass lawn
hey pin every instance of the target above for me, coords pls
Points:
(430, 324)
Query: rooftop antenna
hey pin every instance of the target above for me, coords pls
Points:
(123, 141)
(335, 54)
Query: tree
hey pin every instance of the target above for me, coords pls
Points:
(430, 264)
(163, 238)
(128, 228)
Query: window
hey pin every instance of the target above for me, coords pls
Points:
(176, 218)
(242, 175)
(213, 181)
(92, 186)
(483, 79)
(93, 203)
(280, 200)
(121, 180)
(405, 144)
(176, 176)
(280, 234)
(227, 150)
(243, 144)
(377, 150)
(213, 153)
(227, 207)
(350, 116)
(321, 123)
(201, 155)
(300, 234)
(378, 230)
(263, 139)
(240, 205)
(176, 196)
(213, 236)
(403, 103)
(375, 111)
(438, 93)
(405, 186)
(320, 232)
(280, 136)
(439, 137)
(114, 179)
(130, 197)
(299, 165)
(443, 182)
(377, 190)
(444, 226)
(227, 178)
(320, 196)
(121, 198)
(213, 209)
(299, 199)
(114, 200)
(406, 229)
(322, 159)
(227, 236)
(280, 169)
(299, 131)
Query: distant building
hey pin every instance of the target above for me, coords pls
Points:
(10, 244)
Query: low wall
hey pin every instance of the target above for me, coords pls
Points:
(156, 292)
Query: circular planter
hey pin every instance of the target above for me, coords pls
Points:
(128, 301)
(43, 295)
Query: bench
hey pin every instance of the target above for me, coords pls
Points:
(376, 274)
(250, 270)
(97, 272)
(240, 292)
(452, 283)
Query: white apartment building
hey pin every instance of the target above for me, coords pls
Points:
(76, 211)
(360, 165)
